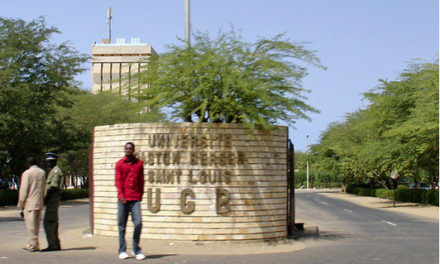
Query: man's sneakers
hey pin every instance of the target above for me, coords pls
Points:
(139, 256)
(123, 255)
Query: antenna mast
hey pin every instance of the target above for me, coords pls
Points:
(109, 22)
(187, 23)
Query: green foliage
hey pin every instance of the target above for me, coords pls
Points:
(404, 195)
(366, 191)
(36, 77)
(230, 81)
(10, 197)
(384, 193)
(41, 107)
(350, 188)
(71, 194)
(399, 129)
(321, 175)
(430, 197)
(87, 111)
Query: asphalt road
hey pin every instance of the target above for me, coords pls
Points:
(348, 234)
(355, 234)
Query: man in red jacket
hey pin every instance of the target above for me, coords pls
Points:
(129, 180)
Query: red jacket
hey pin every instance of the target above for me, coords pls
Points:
(129, 179)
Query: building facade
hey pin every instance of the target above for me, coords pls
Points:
(115, 66)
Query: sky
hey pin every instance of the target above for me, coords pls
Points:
(358, 41)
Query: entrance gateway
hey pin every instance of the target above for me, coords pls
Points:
(202, 181)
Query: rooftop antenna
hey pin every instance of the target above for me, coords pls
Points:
(187, 23)
(109, 22)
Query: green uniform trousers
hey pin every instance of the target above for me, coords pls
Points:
(50, 221)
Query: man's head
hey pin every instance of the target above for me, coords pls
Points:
(129, 149)
(51, 159)
(31, 161)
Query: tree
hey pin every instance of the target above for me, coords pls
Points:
(398, 130)
(77, 123)
(230, 81)
(410, 106)
(36, 76)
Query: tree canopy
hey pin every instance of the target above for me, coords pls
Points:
(87, 111)
(399, 130)
(36, 75)
(227, 80)
(42, 107)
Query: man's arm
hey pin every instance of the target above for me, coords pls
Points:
(54, 183)
(57, 179)
(119, 182)
(142, 179)
(24, 188)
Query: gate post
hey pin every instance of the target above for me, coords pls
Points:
(291, 188)
(90, 178)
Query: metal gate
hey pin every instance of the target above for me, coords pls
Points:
(290, 188)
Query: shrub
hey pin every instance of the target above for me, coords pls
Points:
(359, 190)
(430, 197)
(350, 188)
(70, 194)
(364, 191)
(384, 193)
(401, 194)
(10, 197)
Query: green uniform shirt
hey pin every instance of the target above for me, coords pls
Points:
(54, 179)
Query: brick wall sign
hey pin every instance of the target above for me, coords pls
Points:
(202, 182)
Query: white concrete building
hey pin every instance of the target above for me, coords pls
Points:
(115, 65)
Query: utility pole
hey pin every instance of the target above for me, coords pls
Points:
(187, 24)
(109, 22)
(307, 154)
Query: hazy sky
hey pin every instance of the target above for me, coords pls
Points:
(359, 41)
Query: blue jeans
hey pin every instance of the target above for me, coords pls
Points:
(123, 210)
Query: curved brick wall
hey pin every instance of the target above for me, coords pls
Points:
(202, 182)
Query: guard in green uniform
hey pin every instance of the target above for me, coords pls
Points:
(52, 199)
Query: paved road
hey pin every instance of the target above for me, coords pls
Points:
(355, 234)
(348, 234)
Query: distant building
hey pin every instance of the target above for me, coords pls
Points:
(115, 65)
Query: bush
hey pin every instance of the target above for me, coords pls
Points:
(401, 194)
(384, 193)
(359, 190)
(350, 188)
(70, 194)
(430, 197)
(10, 197)
(366, 191)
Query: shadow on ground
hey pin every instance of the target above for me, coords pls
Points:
(158, 256)
(78, 249)
(11, 219)
(314, 233)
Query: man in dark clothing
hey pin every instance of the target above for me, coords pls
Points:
(52, 198)
(129, 181)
